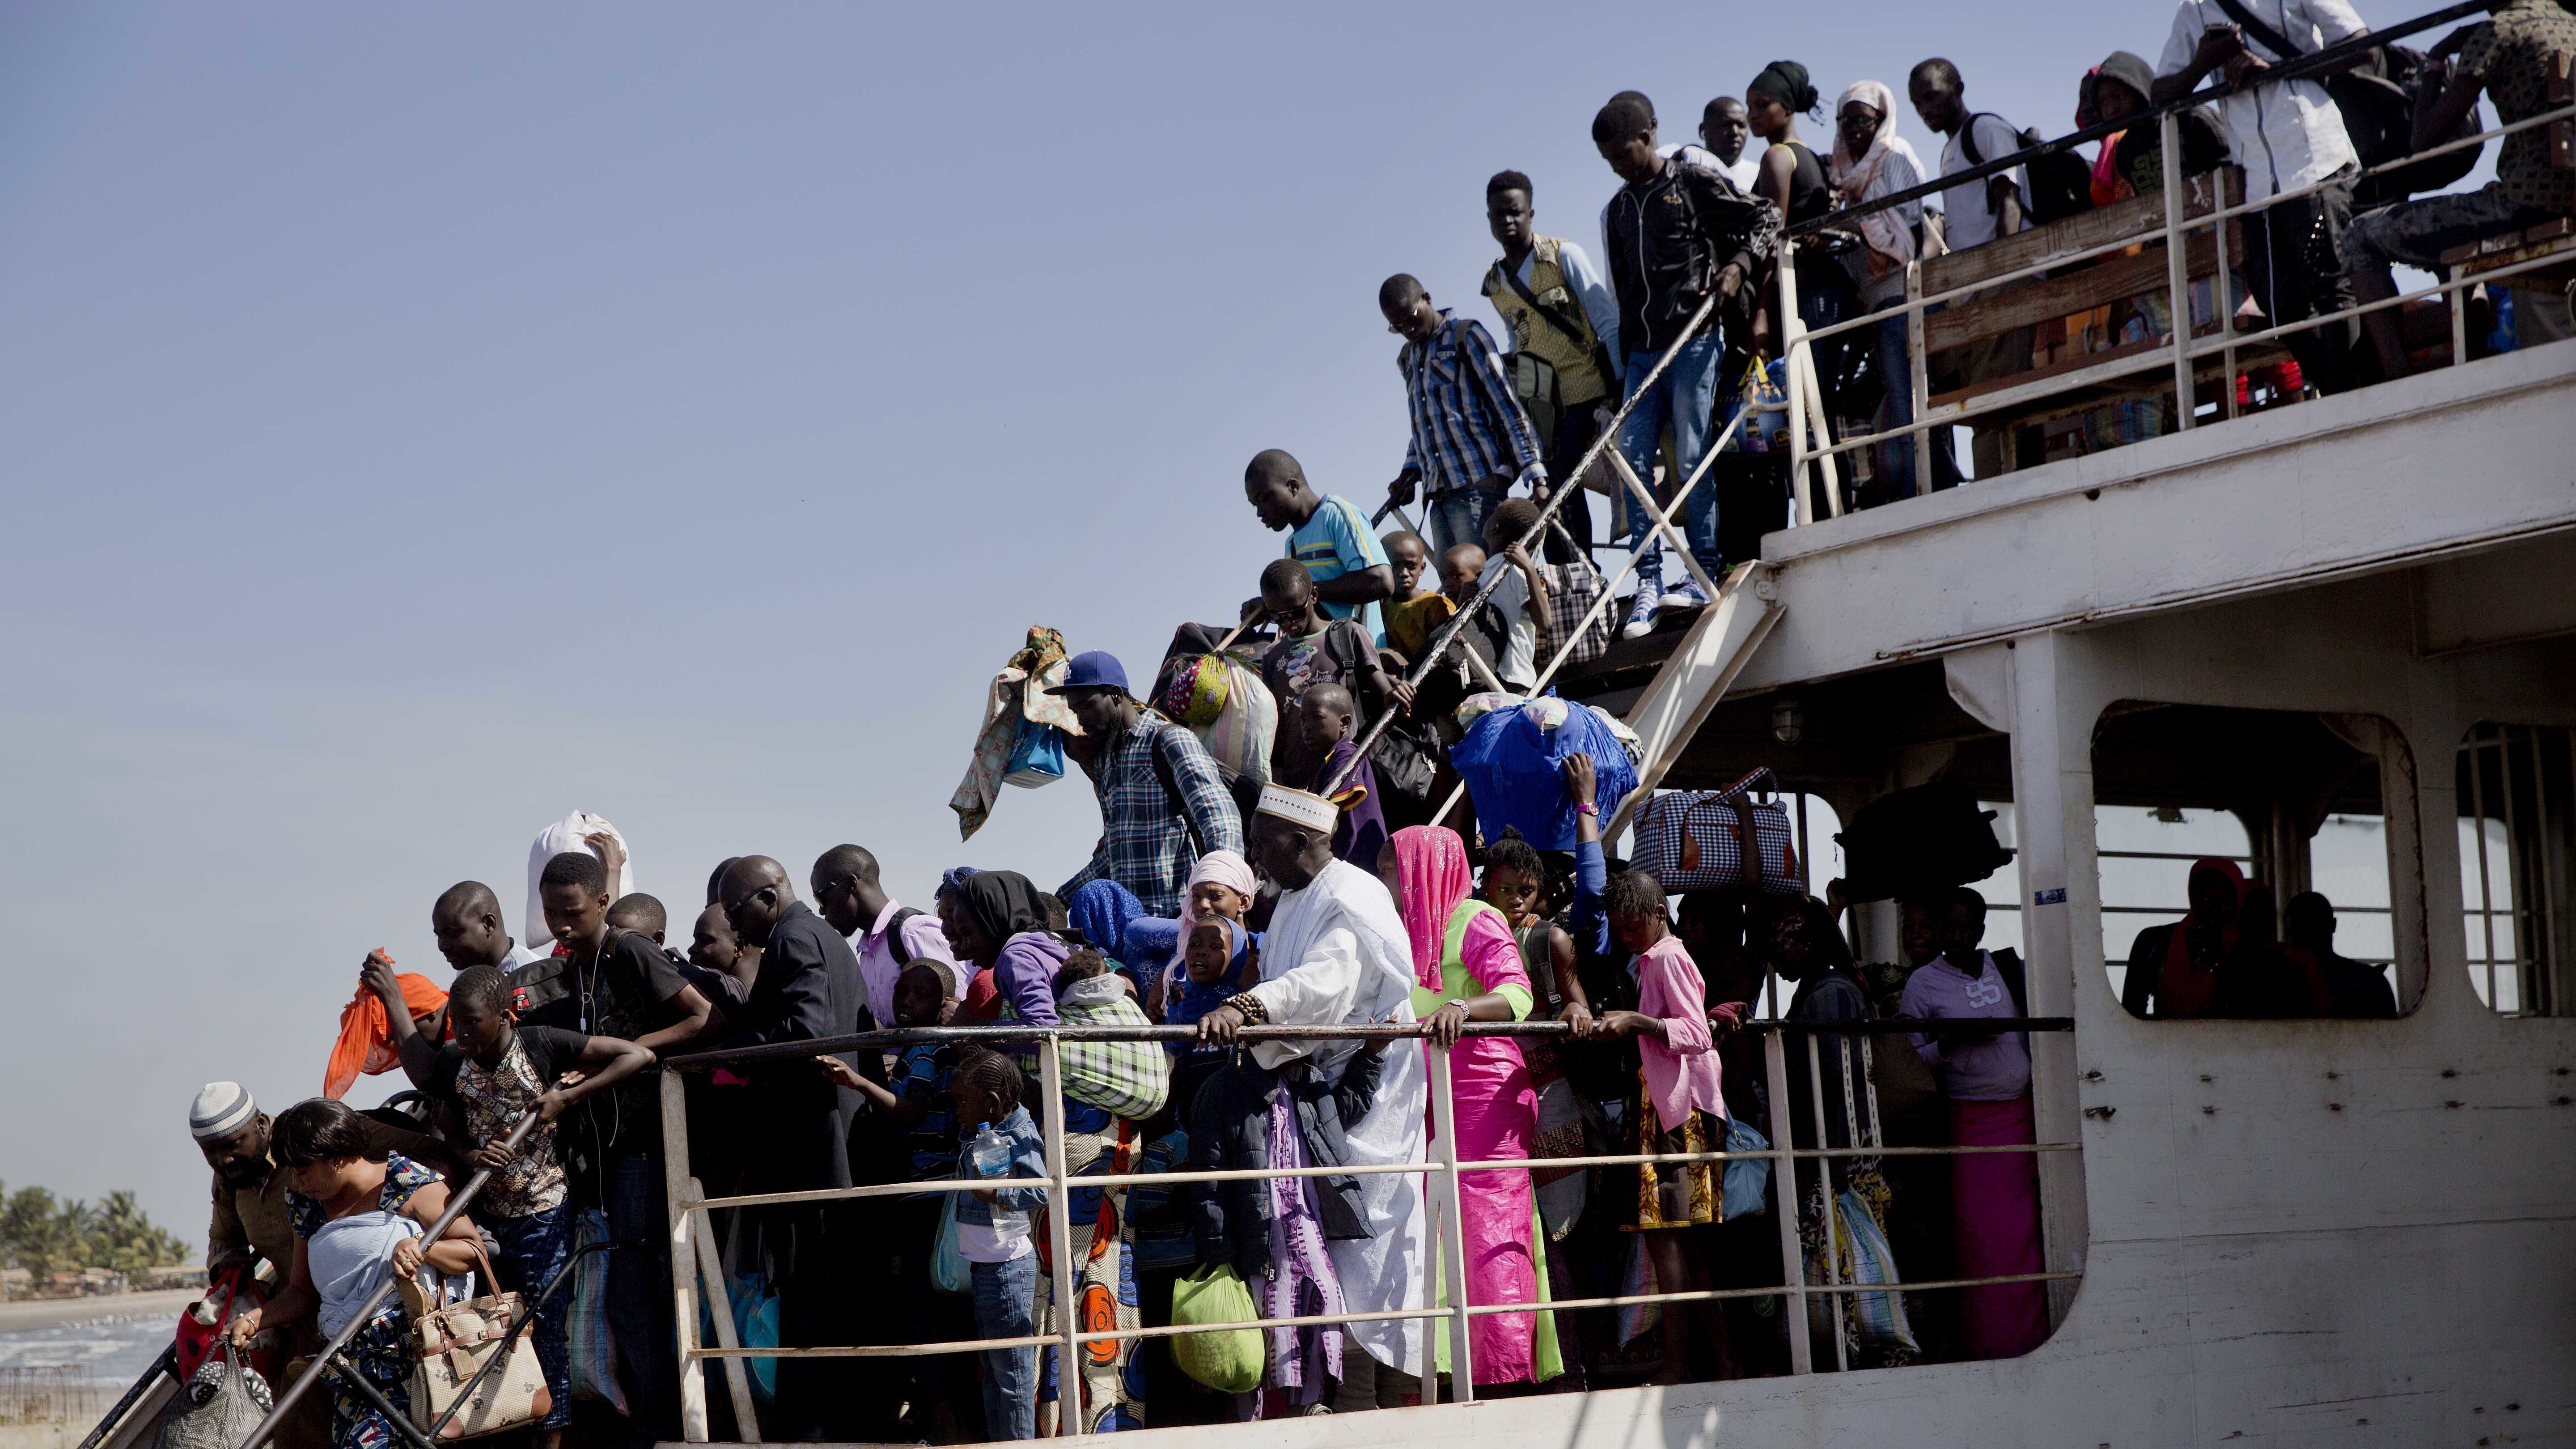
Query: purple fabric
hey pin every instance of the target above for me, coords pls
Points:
(1306, 1362)
(1992, 1069)
(1024, 975)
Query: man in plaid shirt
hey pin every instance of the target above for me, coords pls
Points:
(1471, 441)
(1155, 816)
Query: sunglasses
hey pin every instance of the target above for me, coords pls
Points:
(736, 908)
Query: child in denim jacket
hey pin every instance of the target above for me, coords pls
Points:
(993, 1236)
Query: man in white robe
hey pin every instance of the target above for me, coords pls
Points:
(1337, 954)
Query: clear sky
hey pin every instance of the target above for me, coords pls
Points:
(421, 422)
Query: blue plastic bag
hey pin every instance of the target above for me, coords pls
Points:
(1037, 756)
(1511, 768)
(1748, 1180)
(755, 1320)
(1869, 1260)
(949, 1271)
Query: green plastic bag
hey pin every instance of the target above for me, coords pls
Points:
(1228, 1362)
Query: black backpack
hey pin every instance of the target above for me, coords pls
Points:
(2061, 185)
(2377, 101)
(1916, 841)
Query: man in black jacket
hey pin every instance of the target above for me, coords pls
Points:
(1676, 234)
(808, 989)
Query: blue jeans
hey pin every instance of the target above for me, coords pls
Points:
(1896, 456)
(1006, 1307)
(1458, 517)
(533, 1250)
(1684, 397)
(639, 1292)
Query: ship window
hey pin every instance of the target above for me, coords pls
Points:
(2292, 804)
(2517, 802)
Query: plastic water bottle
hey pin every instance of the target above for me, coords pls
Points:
(992, 1153)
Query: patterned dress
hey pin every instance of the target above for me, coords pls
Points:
(378, 1351)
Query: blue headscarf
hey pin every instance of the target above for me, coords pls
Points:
(950, 879)
(1101, 911)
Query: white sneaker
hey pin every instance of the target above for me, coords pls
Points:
(1685, 594)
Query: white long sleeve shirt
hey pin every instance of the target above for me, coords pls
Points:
(2286, 134)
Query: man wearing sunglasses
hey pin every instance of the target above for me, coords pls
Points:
(808, 988)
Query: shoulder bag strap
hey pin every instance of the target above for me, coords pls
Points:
(894, 937)
(2270, 39)
(1575, 327)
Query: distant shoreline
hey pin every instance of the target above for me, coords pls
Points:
(54, 1312)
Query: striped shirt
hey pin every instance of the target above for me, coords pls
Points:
(1467, 426)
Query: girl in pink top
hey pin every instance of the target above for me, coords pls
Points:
(1679, 1113)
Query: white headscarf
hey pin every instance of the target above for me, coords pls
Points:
(1891, 242)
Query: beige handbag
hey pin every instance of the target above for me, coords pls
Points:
(453, 1341)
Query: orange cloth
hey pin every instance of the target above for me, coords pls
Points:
(366, 1041)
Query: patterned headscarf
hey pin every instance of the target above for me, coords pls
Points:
(950, 879)
(1431, 861)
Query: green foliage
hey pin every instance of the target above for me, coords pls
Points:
(44, 1236)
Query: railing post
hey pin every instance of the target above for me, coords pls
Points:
(1918, 382)
(1784, 1205)
(2222, 285)
(1450, 1235)
(1068, 1373)
(1831, 1222)
(2177, 267)
(679, 1191)
(1788, 333)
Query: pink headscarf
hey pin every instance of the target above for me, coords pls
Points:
(1225, 868)
(1431, 863)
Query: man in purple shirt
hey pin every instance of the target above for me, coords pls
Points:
(887, 935)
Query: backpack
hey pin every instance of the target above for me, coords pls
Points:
(1927, 838)
(2061, 185)
(894, 936)
(2377, 101)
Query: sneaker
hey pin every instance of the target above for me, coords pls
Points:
(1685, 594)
(1642, 611)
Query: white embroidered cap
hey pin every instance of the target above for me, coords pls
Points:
(1313, 811)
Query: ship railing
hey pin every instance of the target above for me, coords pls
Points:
(1812, 448)
(699, 1276)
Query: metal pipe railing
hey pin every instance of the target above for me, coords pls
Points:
(1440, 1166)
(1558, 492)
(2179, 349)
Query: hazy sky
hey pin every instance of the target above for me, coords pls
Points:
(423, 421)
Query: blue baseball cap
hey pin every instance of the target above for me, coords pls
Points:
(1098, 669)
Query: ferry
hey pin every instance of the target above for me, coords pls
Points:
(2333, 638)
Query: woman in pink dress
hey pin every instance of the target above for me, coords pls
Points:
(1468, 968)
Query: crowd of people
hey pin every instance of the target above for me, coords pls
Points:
(1315, 890)
(1688, 223)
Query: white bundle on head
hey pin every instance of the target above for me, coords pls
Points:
(561, 838)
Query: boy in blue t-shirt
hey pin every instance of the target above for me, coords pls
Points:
(1327, 533)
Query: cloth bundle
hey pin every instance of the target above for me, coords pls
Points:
(1129, 1079)
(1016, 697)
(1222, 700)
(366, 1041)
(566, 837)
(1510, 758)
